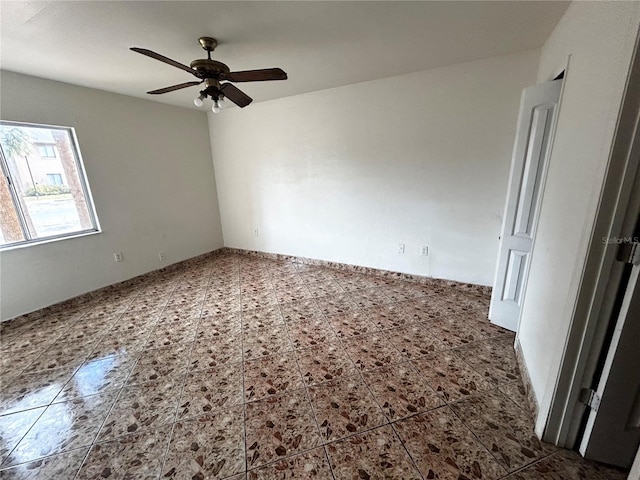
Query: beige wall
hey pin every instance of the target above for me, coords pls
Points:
(599, 37)
(349, 173)
(150, 170)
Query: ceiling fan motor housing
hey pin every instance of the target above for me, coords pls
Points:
(209, 68)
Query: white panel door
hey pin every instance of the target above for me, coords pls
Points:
(536, 123)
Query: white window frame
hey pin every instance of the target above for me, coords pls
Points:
(82, 177)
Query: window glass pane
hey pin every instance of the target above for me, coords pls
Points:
(47, 151)
(47, 181)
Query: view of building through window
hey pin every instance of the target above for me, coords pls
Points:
(43, 192)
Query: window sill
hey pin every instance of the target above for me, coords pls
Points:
(33, 243)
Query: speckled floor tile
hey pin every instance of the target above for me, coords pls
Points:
(517, 393)
(271, 375)
(207, 354)
(289, 295)
(132, 324)
(98, 376)
(375, 454)
(303, 310)
(403, 293)
(14, 426)
(217, 327)
(325, 362)
(62, 466)
(426, 310)
(210, 446)
(167, 334)
(141, 407)
(567, 465)
(221, 304)
(387, 316)
(262, 318)
(83, 418)
(121, 343)
(34, 338)
(449, 376)
(309, 333)
(255, 286)
(372, 351)
(352, 324)
(286, 283)
(138, 315)
(344, 407)
(33, 389)
(261, 300)
(227, 325)
(224, 295)
(322, 289)
(62, 354)
(279, 426)
(176, 313)
(210, 390)
(453, 332)
(482, 325)
(352, 282)
(337, 304)
(274, 340)
(85, 332)
(502, 427)
(444, 448)
(161, 364)
(311, 464)
(136, 456)
(370, 297)
(495, 359)
(401, 391)
(312, 274)
(13, 366)
(414, 341)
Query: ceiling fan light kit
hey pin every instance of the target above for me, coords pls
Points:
(211, 73)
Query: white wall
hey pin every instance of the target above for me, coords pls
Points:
(599, 36)
(346, 174)
(150, 170)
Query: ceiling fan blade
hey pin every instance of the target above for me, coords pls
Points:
(256, 75)
(164, 59)
(173, 87)
(236, 95)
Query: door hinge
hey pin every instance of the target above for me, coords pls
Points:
(590, 398)
(629, 252)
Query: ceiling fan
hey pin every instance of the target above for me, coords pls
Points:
(211, 73)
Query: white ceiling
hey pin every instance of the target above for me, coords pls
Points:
(319, 44)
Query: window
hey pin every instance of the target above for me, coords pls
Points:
(54, 178)
(47, 151)
(36, 204)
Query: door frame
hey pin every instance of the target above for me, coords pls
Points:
(600, 280)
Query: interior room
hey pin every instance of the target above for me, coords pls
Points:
(315, 239)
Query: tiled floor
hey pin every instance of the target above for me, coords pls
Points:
(238, 367)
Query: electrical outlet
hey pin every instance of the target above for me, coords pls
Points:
(401, 248)
(118, 257)
(255, 232)
(424, 250)
(162, 256)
